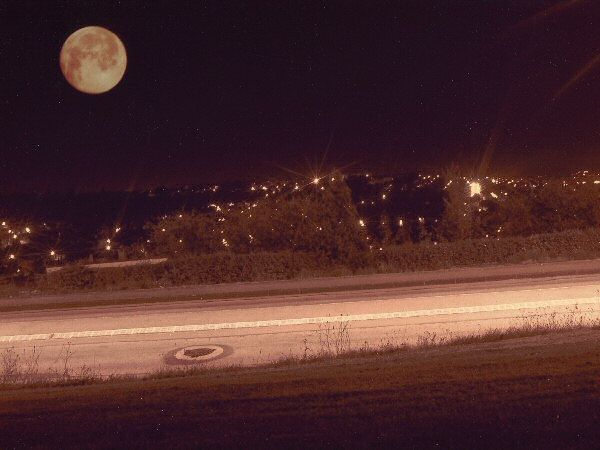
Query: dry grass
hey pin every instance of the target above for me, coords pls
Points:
(333, 339)
(539, 392)
(21, 369)
(526, 326)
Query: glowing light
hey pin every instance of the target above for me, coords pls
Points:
(163, 230)
(475, 188)
(28, 230)
(361, 223)
(401, 223)
(108, 247)
(12, 256)
(493, 195)
(316, 180)
(117, 229)
(52, 253)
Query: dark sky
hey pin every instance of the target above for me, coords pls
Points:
(228, 90)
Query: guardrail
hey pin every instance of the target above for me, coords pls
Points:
(136, 262)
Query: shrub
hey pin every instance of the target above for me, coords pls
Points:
(228, 267)
(570, 244)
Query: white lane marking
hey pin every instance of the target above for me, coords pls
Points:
(304, 320)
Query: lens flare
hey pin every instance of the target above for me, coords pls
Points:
(591, 64)
(543, 15)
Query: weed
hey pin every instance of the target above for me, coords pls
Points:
(19, 369)
(65, 359)
(334, 338)
(10, 366)
(306, 349)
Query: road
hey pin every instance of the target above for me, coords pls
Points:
(143, 338)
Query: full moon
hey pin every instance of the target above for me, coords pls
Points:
(93, 60)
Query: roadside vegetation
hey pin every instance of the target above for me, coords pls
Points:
(20, 368)
(504, 391)
(319, 230)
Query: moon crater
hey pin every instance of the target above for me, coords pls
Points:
(93, 60)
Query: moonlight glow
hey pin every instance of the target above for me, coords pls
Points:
(93, 60)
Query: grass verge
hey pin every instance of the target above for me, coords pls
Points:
(21, 370)
(536, 392)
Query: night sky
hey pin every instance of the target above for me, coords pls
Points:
(225, 90)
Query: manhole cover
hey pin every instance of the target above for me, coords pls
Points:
(196, 354)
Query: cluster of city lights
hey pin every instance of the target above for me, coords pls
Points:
(495, 188)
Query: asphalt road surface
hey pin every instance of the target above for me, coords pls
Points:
(143, 338)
